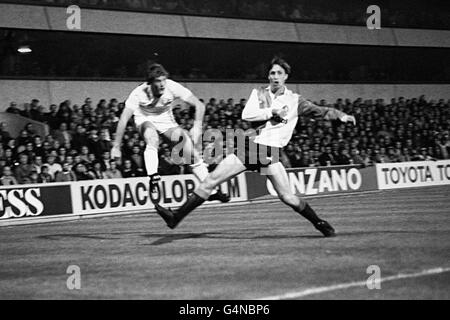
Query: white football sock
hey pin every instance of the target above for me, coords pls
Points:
(151, 159)
(200, 170)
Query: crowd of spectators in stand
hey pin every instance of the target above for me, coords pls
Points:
(418, 14)
(79, 145)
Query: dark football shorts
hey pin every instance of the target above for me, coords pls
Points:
(256, 156)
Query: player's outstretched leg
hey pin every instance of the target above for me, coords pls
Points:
(151, 159)
(199, 168)
(227, 169)
(278, 176)
(173, 218)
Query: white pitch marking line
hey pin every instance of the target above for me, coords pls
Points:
(317, 290)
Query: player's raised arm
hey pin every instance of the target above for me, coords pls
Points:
(199, 109)
(187, 96)
(307, 108)
(257, 108)
(198, 120)
(126, 115)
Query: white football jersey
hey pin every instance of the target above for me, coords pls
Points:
(143, 103)
(271, 133)
(277, 134)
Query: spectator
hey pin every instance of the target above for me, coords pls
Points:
(105, 160)
(53, 167)
(128, 171)
(77, 159)
(113, 172)
(425, 155)
(30, 129)
(62, 135)
(44, 176)
(294, 155)
(13, 108)
(344, 157)
(137, 159)
(416, 156)
(70, 161)
(80, 138)
(381, 156)
(393, 155)
(52, 117)
(62, 154)
(96, 170)
(47, 148)
(104, 144)
(9, 157)
(34, 177)
(327, 158)
(444, 145)
(2, 164)
(7, 178)
(366, 160)
(26, 111)
(38, 147)
(23, 168)
(167, 166)
(64, 112)
(91, 159)
(306, 160)
(356, 158)
(40, 115)
(65, 175)
(24, 138)
(34, 105)
(3, 133)
(84, 154)
(29, 150)
(81, 173)
(37, 164)
(94, 144)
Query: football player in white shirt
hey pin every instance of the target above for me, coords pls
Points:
(151, 105)
(275, 110)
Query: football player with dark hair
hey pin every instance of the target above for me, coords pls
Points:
(275, 109)
(151, 105)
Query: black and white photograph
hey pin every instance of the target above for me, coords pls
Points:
(224, 156)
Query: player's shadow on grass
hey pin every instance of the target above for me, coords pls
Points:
(91, 236)
(228, 236)
(165, 238)
(168, 238)
(175, 237)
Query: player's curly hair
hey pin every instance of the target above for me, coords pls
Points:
(155, 70)
(282, 63)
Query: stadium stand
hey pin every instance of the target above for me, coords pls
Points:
(79, 139)
(78, 145)
(417, 14)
